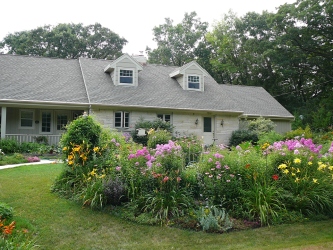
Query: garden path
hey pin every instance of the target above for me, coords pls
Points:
(32, 163)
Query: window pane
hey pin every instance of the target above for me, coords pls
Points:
(46, 121)
(126, 122)
(126, 72)
(126, 79)
(160, 116)
(61, 121)
(167, 118)
(207, 124)
(192, 85)
(117, 119)
(26, 123)
(27, 118)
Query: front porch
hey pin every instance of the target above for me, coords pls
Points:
(52, 139)
(27, 122)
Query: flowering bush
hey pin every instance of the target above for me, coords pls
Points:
(33, 159)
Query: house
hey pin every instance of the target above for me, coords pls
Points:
(40, 95)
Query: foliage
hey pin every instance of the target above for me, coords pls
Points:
(177, 44)
(300, 133)
(192, 148)
(82, 130)
(213, 218)
(147, 125)
(9, 146)
(270, 138)
(66, 41)
(41, 139)
(114, 191)
(261, 126)
(158, 137)
(239, 136)
(12, 159)
(6, 212)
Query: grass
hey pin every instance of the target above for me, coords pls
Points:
(63, 224)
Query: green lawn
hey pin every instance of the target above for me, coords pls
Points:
(62, 224)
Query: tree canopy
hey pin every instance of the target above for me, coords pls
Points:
(178, 44)
(65, 41)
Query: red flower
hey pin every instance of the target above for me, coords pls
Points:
(248, 165)
(166, 178)
(275, 177)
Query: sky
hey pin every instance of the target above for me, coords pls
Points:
(133, 20)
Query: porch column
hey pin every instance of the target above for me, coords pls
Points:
(3, 122)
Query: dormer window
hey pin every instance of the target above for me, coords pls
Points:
(126, 76)
(193, 82)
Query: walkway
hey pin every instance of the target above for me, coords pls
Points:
(31, 163)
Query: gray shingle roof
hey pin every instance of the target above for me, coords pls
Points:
(47, 79)
(41, 79)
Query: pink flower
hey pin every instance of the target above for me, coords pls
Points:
(210, 160)
(226, 167)
(117, 144)
(212, 169)
(166, 178)
(113, 140)
(207, 173)
(158, 164)
(218, 177)
(232, 176)
(118, 168)
(210, 176)
(228, 180)
(218, 166)
(179, 179)
(137, 163)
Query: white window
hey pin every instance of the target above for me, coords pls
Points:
(62, 119)
(193, 82)
(126, 76)
(27, 119)
(46, 122)
(121, 119)
(163, 117)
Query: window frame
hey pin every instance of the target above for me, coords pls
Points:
(33, 118)
(163, 117)
(56, 119)
(122, 119)
(126, 84)
(41, 122)
(188, 82)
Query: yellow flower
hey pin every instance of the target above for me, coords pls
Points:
(82, 155)
(64, 149)
(297, 161)
(293, 174)
(70, 162)
(286, 171)
(85, 158)
(315, 181)
(70, 157)
(297, 179)
(102, 176)
(320, 162)
(298, 170)
(76, 149)
(330, 167)
(282, 166)
(96, 149)
(309, 163)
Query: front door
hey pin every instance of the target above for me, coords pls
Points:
(208, 130)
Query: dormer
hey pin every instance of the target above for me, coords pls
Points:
(190, 76)
(124, 71)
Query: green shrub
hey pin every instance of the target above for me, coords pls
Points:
(147, 125)
(270, 138)
(29, 147)
(300, 133)
(82, 129)
(261, 126)
(213, 219)
(191, 148)
(158, 137)
(9, 146)
(42, 139)
(6, 212)
(239, 136)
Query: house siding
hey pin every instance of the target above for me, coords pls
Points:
(282, 126)
(183, 122)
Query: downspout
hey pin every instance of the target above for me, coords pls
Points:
(85, 86)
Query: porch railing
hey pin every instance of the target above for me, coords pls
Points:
(52, 139)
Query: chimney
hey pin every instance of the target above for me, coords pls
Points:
(140, 58)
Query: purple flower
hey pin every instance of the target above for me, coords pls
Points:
(296, 152)
(113, 140)
(117, 144)
(210, 160)
(137, 163)
(118, 168)
(158, 164)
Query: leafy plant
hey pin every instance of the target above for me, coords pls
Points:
(114, 191)
(9, 146)
(213, 218)
(239, 136)
(158, 137)
(6, 212)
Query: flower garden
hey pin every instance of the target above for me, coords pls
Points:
(180, 183)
